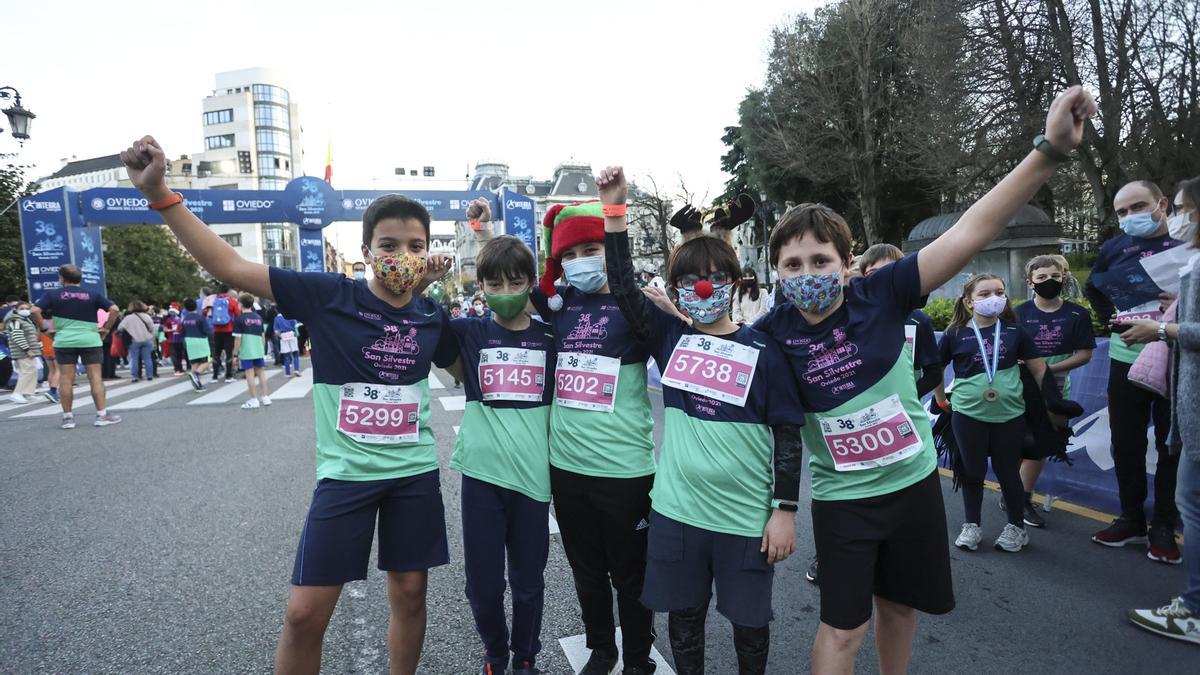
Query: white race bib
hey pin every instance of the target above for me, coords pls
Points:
(875, 436)
(713, 367)
(910, 339)
(586, 381)
(512, 374)
(379, 413)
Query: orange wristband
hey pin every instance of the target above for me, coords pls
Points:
(613, 210)
(167, 202)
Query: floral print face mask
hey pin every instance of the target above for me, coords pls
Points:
(399, 273)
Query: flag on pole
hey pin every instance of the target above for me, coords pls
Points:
(329, 163)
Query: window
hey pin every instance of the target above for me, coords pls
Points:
(273, 140)
(244, 165)
(187, 168)
(218, 116)
(271, 115)
(400, 171)
(266, 92)
(222, 141)
(233, 239)
(428, 172)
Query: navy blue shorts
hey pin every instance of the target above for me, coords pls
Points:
(247, 364)
(683, 562)
(335, 545)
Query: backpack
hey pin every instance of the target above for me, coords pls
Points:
(220, 311)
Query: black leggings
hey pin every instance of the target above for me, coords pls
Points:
(686, 630)
(1001, 442)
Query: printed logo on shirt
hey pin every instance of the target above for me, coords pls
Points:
(642, 524)
(1048, 338)
(586, 330)
(74, 295)
(833, 366)
(387, 354)
(987, 344)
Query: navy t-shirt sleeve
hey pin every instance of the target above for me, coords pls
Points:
(896, 285)
(45, 301)
(446, 352)
(1085, 335)
(103, 302)
(946, 346)
(927, 349)
(783, 395)
(1026, 349)
(302, 295)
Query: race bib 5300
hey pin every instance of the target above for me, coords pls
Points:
(875, 436)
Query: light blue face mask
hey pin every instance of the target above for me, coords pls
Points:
(360, 274)
(586, 274)
(1139, 224)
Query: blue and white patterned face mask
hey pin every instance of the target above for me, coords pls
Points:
(710, 309)
(813, 293)
(586, 274)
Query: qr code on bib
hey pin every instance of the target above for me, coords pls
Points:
(905, 429)
(412, 417)
(742, 380)
(608, 389)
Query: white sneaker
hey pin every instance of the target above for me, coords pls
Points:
(68, 421)
(18, 398)
(1173, 621)
(265, 400)
(1012, 538)
(250, 404)
(969, 538)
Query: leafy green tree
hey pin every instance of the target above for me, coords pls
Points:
(144, 262)
(12, 259)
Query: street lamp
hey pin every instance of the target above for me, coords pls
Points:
(18, 117)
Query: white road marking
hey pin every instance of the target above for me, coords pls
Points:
(153, 397)
(297, 387)
(575, 647)
(80, 402)
(453, 402)
(456, 430)
(229, 391)
(434, 382)
(554, 525)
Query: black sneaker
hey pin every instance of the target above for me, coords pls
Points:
(1121, 532)
(640, 670)
(1032, 517)
(603, 661)
(811, 574)
(1163, 546)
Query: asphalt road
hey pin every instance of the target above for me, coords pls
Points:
(165, 545)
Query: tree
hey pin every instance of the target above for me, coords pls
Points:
(650, 211)
(12, 259)
(145, 262)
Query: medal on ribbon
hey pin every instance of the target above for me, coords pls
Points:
(990, 394)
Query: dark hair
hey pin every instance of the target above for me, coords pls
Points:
(1151, 187)
(505, 257)
(137, 306)
(1191, 193)
(8, 300)
(962, 315)
(357, 263)
(189, 304)
(246, 300)
(222, 288)
(876, 254)
(205, 290)
(752, 290)
(70, 274)
(702, 255)
(823, 222)
(393, 206)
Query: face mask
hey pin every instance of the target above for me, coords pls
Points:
(813, 293)
(509, 305)
(478, 309)
(360, 274)
(749, 282)
(706, 310)
(399, 273)
(991, 306)
(1139, 224)
(586, 274)
(1048, 289)
(23, 312)
(1181, 227)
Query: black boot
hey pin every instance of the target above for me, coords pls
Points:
(752, 646)
(685, 628)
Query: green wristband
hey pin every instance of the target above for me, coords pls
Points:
(1044, 146)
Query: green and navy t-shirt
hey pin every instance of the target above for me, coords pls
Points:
(249, 327)
(1058, 334)
(925, 349)
(616, 444)
(716, 468)
(196, 331)
(854, 372)
(1125, 251)
(506, 442)
(960, 347)
(370, 368)
(74, 311)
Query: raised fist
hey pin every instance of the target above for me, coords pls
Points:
(480, 209)
(1067, 115)
(611, 182)
(146, 164)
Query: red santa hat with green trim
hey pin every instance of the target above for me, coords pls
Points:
(564, 226)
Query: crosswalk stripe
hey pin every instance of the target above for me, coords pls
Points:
(153, 397)
(453, 402)
(434, 382)
(228, 392)
(40, 397)
(575, 647)
(297, 388)
(84, 401)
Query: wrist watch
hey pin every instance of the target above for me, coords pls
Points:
(1162, 331)
(1044, 146)
(784, 505)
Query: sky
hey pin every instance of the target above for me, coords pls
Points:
(649, 85)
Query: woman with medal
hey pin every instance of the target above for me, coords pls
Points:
(986, 344)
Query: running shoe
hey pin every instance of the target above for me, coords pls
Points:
(811, 575)
(526, 668)
(68, 421)
(296, 374)
(1174, 621)
(18, 398)
(265, 400)
(647, 669)
(1121, 532)
(1163, 547)
(133, 381)
(491, 668)
(106, 420)
(196, 383)
(603, 661)
(178, 373)
(250, 404)
(1032, 517)
(1012, 538)
(969, 538)
(51, 396)
(228, 380)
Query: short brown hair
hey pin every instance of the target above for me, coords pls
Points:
(137, 306)
(823, 222)
(702, 255)
(876, 254)
(505, 257)
(1040, 261)
(246, 300)
(1191, 193)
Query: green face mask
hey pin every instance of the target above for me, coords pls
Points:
(508, 306)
